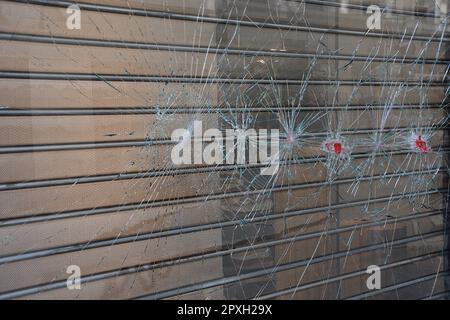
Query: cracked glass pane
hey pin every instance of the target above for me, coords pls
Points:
(224, 149)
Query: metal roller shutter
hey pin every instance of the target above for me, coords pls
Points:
(87, 174)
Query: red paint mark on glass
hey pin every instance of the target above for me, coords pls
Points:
(421, 145)
(334, 146)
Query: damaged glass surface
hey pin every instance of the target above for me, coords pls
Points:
(223, 149)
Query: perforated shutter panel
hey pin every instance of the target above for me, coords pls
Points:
(87, 177)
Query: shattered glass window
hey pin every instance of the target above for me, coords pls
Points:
(224, 149)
